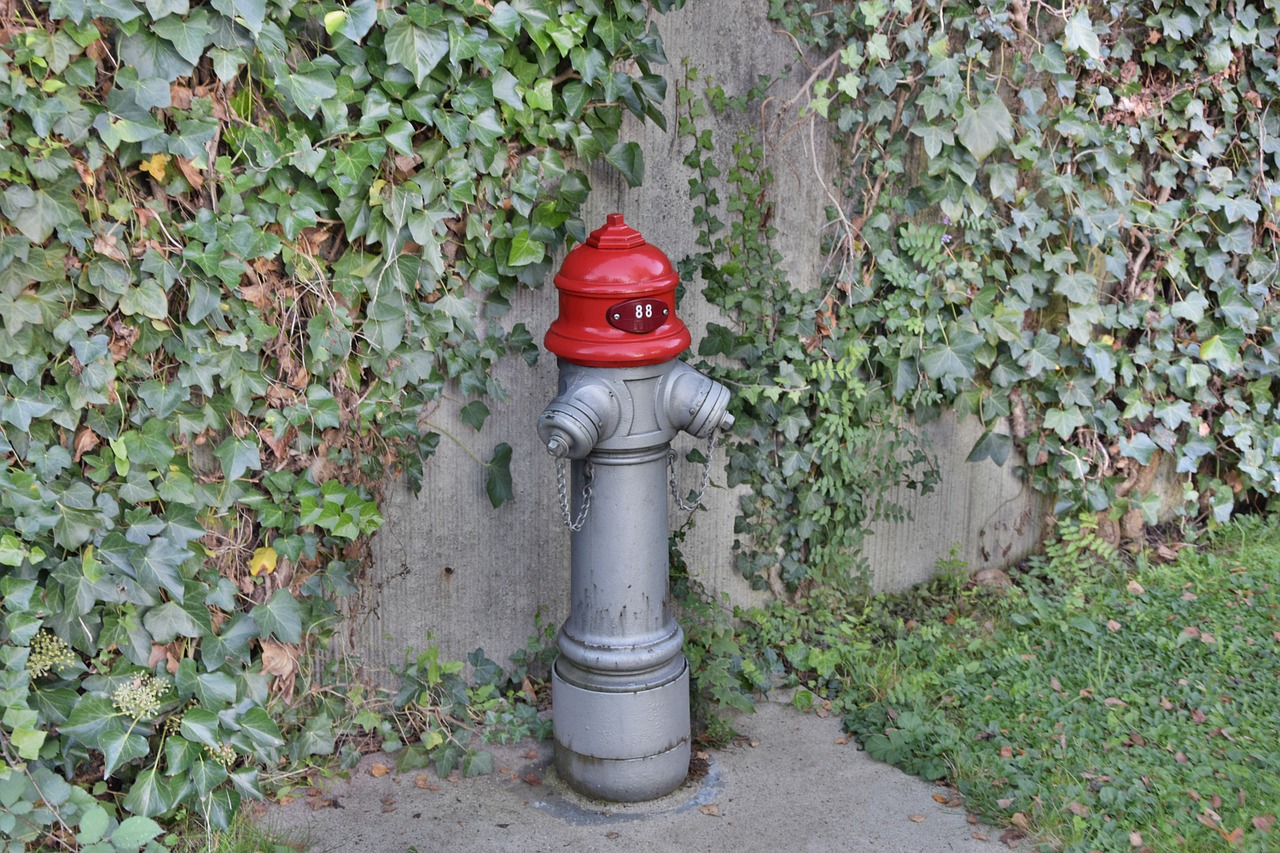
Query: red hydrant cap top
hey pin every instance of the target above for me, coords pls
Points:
(617, 301)
(617, 260)
(615, 234)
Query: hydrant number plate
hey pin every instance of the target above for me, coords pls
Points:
(638, 316)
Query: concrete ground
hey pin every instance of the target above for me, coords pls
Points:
(793, 783)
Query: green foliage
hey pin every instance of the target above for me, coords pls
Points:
(819, 439)
(244, 245)
(723, 672)
(1095, 707)
(1064, 220)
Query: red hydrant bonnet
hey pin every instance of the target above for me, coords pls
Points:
(617, 302)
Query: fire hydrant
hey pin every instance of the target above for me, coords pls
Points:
(620, 685)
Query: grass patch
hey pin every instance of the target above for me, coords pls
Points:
(189, 835)
(1097, 705)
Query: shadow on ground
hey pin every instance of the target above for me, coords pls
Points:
(793, 784)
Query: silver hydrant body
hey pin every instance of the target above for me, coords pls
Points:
(620, 685)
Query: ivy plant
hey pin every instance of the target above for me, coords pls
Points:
(1064, 220)
(819, 440)
(246, 249)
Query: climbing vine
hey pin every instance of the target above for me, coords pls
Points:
(248, 248)
(1063, 220)
(820, 442)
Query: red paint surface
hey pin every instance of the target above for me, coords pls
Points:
(615, 265)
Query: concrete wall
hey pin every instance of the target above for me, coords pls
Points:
(449, 567)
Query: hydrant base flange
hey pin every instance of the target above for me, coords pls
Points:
(622, 747)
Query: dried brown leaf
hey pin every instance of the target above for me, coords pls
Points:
(86, 440)
(710, 809)
(1020, 820)
(379, 770)
(192, 175)
(916, 818)
(1263, 823)
(278, 659)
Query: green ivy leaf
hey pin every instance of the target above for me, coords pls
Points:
(1079, 35)
(473, 414)
(498, 483)
(1140, 447)
(134, 832)
(1064, 421)
(280, 616)
(36, 212)
(149, 796)
(628, 159)
(992, 445)
(525, 250)
(1216, 351)
(118, 747)
(238, 455)
(982, 129)
(416, 48)
(188, 35)
(169, 621)
(251, 14)
(260, 728)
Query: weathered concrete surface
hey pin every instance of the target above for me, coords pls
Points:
(793, 786)
(449, 565)
(980, 513)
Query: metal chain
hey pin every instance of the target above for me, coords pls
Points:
(706, 475)
(588, 474)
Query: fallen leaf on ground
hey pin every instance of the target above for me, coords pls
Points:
(1020, 820)
(1113, 625)
(423, 781)
(1005, 803)
(1263, 823)
(710, 809)
(1079, 809)
(612, 835)
(379, 770)
(978, 836)
(1011, 838)
(1135, 838)
(532, 778)
(1235, 836)
(916, 818)
(531, 754)
(1006, 752)
(939, 798)
(1135, 588)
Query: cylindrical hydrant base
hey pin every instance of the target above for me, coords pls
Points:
(623, 747)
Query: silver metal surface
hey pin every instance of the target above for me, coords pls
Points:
(620, 686)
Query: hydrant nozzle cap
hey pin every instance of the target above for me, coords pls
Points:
(615, 234)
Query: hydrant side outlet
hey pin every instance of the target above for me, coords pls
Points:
(620, 685)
